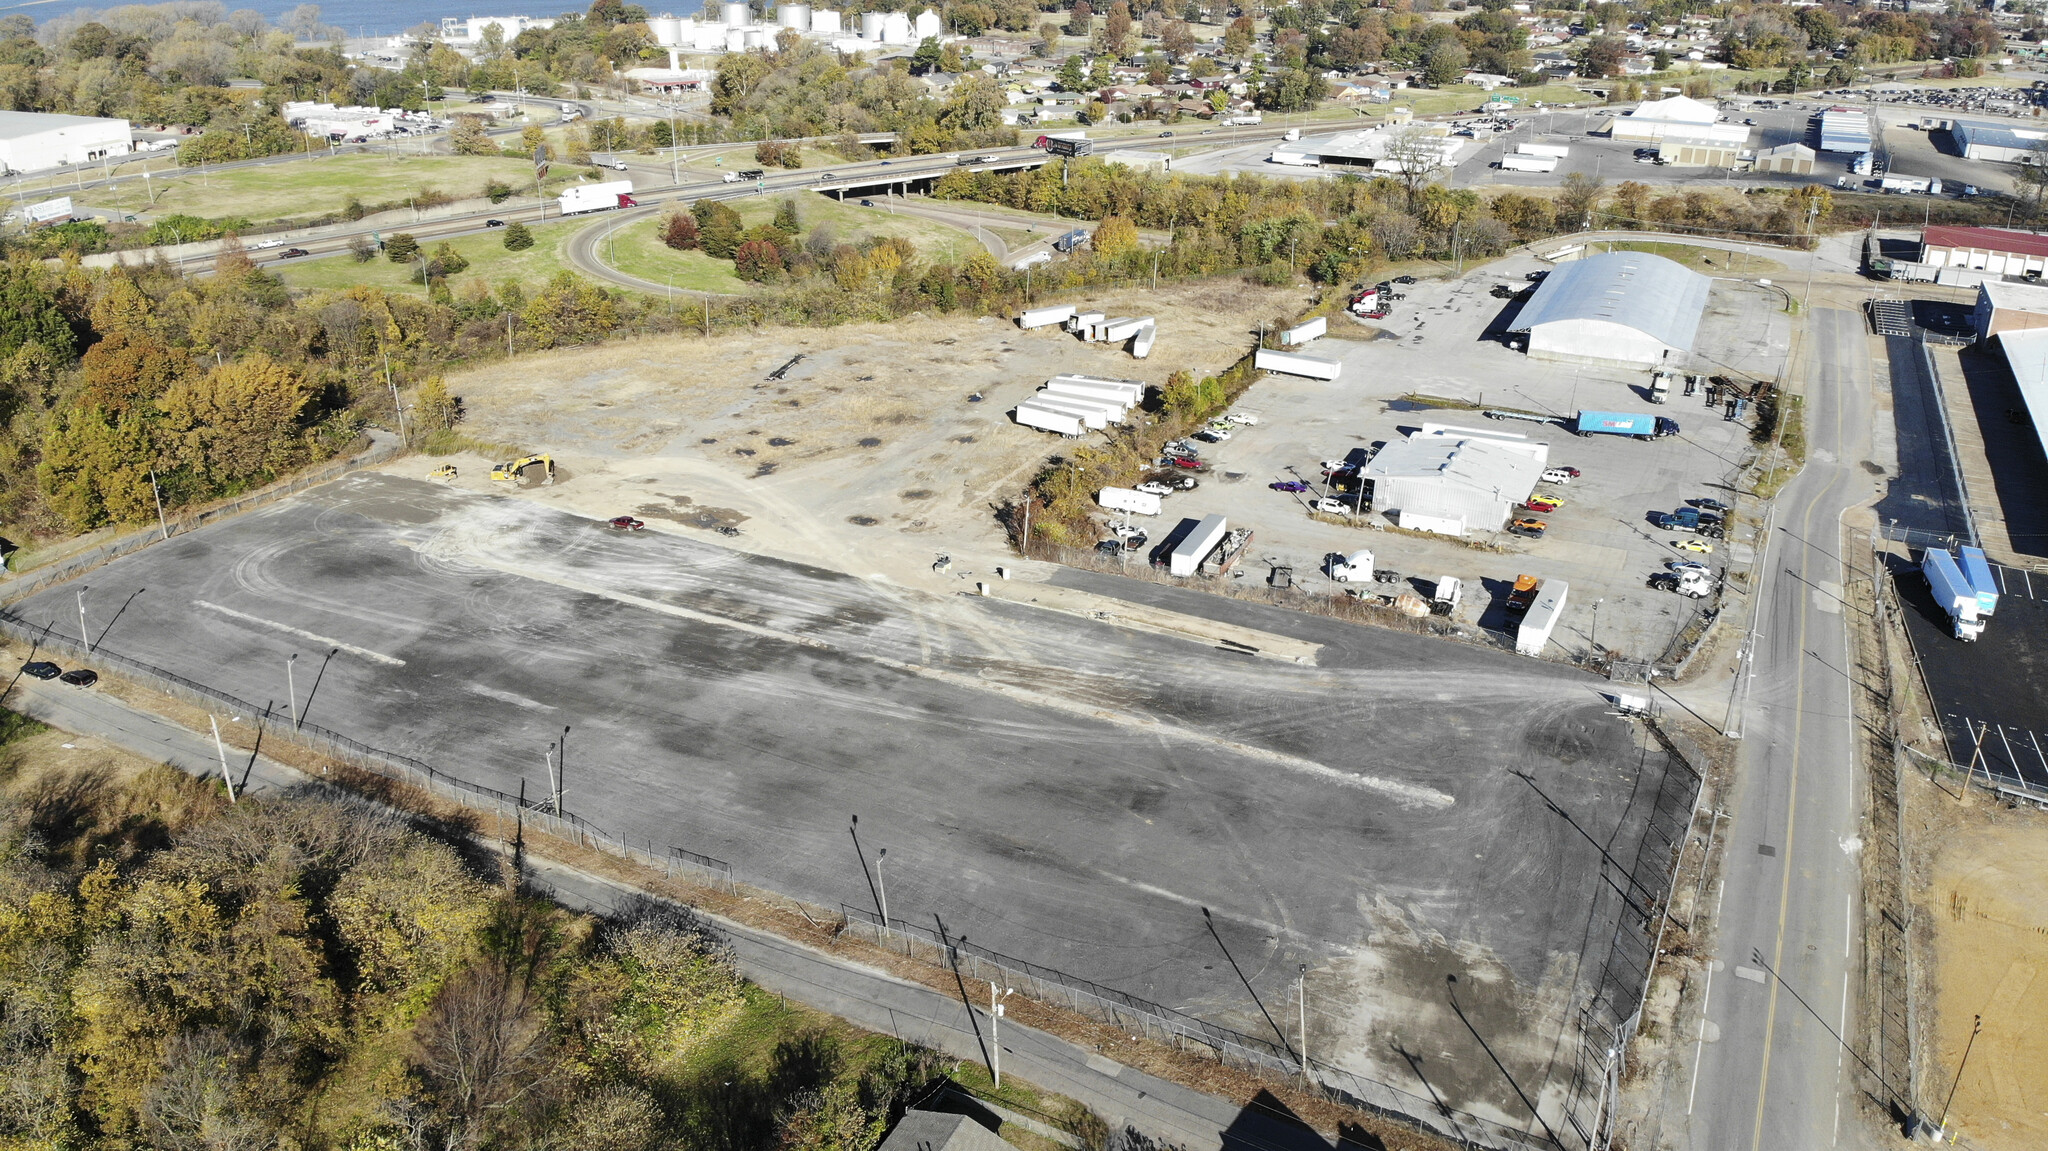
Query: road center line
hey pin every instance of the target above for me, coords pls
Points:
(312, 637)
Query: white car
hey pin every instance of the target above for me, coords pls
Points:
(1335, 465)
(1242, 420)
(1217, 434)
(1556, 476)
(268, 244)
(1333, 507)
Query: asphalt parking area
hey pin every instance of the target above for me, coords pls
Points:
(1050, 785)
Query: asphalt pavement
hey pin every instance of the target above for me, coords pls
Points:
(1055, 787)
(1769, 1073)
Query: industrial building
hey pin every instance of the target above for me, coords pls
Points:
(2004, 306)
(1626, 309)
(1686, 152)
(1451, 482)
(1844, 130)
(1795, 159)
(2026, 353)
(34, 141)
(733, 28)
(1999, 143)
(1996, 251)
(469, 32)
(1680, 118)
(1372, 150)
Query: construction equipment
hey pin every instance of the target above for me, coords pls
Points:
(444, 472)
(515, 471)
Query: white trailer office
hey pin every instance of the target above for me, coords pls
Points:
(1195, 547)
(1126, 500)
(1542, 617)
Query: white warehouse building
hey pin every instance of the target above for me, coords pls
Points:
(1452, 482)
(34, 141)
(1625, 309)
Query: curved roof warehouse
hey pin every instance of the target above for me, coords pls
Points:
(1623, 308)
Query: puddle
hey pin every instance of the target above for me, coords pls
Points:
(863, 521)
(871, 442)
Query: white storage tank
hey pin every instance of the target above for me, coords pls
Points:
(735, 39)
(896, 28)
(797, 16)
(927, 25)
(824, 22)
(668, 31)
(871, 24)
(757, 37)
(738, 15)
(707, 37)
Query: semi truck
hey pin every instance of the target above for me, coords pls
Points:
(1977, 570)
(1952, 592)
(1515, 162)
(1523, 594)
(598, 197)
(1450, 591)
(1639, 425)
(1355, 567)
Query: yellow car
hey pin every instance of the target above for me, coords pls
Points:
(1693, 546)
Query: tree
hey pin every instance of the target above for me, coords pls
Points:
(1115, 237)
(1237, 38)
(1073, 74)
(1416, 156)
(238, 423)
(1116, 29)
(926, 59)
(718, 228)
(467, 137)
(1293, 90)
(497, 191)
(1445, 64)
(96, 469)
(757, 260)
(1081, 21)
(446, 261)
(29, 314)
(785, 219)
(1177, 40)
(679, 231)
(1601, 56)
(518, 237)
(401, 248)
(1048, 39)
(570, 310)
(1576, 200)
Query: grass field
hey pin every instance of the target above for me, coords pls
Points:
(308, 188)
(485, 251)
(1712, 261)
(636, 249)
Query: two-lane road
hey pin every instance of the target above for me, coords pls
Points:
(1769, 1074)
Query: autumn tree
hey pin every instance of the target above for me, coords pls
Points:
(1116, 29)
(1081, 21)
(238, 423)
(679, 231)
(1237, 38)
(757, 260)
(467, 137)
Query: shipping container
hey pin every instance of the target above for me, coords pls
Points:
(1287, 363)
(1141, 344)
(1093, 392)
(1977, 570)
(1195, 547)
(1555, 151)
(1134, 390)
(1952, 593)
(1123, 328)
(1126, 500)
(1296, 336)
(1092, 414)
(1534, 632)
(1044, 419)
(1042, 317)
(1528, 163)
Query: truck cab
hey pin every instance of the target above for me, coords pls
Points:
(1356, 567)
(1660, 387)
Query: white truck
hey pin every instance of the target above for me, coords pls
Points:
(598, 197)
(1448, 593)
(1354, 568)
(1521, 163)
(1953, 592)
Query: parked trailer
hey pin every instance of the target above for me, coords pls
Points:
(1046, 420)
(50, 211)
(1141, 344)
(1528, 163)
(1084, 322)
(1555, 151)
(597, 197)
(1095, 414)
(1953, 592)
(1289, 364)
(1090, 392)
(1126, 500)
(1034, 260)
(1534, 633)
(1637, 424)
(1195, 547)
(1044, 317)
(1119, 330)
(1297, 336)
(1133, 389)
(1977, 570)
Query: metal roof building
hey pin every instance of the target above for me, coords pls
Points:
(2004, 306)
(1623, 308)
(33, 141)
(1843, 130)
(1449, 484)
(1999, 143)
(2026, 353)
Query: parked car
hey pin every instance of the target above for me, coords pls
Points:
(1543, 504)
(1708, 504)
(626, 524)
(1212, 435)
(867, 203)
(294, 253)
(1288, 486)
(1693, 546)
(1335, 465)
(1404, 279)
(1523, 528)
(1685, 565)
(261, 244)
(80, 677)
(1154, 488)
(1558, 476)
(1189, 462)
(42, 669)
(1568, 470)
(1184, 483)
(1166, 135)
(1242, 419)
(1333, 507)
(494, 223)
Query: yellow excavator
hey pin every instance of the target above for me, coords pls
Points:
(515, 471)
(444, 472)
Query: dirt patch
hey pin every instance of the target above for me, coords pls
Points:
(863, 521)
(917, 494)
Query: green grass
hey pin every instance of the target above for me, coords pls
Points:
(1713, 261)
(849, 222)
(636, 249)
(303, 189)
(485, 251)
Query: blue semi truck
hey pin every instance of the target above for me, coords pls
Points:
(1640, 425)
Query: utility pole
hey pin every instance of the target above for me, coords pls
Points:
(1302, 984)
(84, 636)
(995, 1034)
(881, 886)
(226, 776)
(554, 783)
(291, 689)
(161, 525)
(1976, 1025)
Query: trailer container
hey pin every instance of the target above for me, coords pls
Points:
(1126, 500)
(1141, 344)
(1528, 163)
(597, 197)
(1096, 414)
(1091, 392)
(1042, 317)
(1134, 390)
(1083, 322)
(1118, 330)
(1555, 151)
(1195, 547)
(1289, 364)
(1952, 592)
(1637, 424)
(1534, 632)
(1977, 570)
(50, 211)
(1046, 420)
(1297, 336)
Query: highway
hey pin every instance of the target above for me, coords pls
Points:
(1768, 1074)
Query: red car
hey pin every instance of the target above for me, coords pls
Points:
(1542, 504)
(627, 524)
(1189, 464)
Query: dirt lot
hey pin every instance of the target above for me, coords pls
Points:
(1989, 914)
(691, 435)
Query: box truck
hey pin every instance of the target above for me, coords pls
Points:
(1289, 364)
(1203, 538)
(598, 197)
(1642, 427)
(1952, 592)
(1126, 500)
(1977, 570)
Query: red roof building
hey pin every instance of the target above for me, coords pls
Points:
(1994, 250)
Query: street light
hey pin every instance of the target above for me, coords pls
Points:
(995, 1032)
(83, 635)
(292, 689)
(882, 886)
(1302, 985)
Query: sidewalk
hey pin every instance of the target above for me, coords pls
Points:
(862, 995)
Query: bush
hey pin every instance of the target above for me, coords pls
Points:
(679, 231)
(757, 260)
(518, 238)
(362, 249)
(401, 248)
(497, 191)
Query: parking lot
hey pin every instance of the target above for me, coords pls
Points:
(1437, 345)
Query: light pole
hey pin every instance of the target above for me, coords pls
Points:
(882, 886)
(84, 636)
(1976, 1025)
(1302, 985)
(1596, 623)
(995, 1033)
(291, 689)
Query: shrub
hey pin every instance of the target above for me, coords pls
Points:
(518, 238)
(757, 260)
(401, 248)
(679, 231)
(497, 191)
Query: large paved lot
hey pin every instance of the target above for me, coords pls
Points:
(1052, 786)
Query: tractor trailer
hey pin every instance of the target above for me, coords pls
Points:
(598, 197)
(1952, 592)
(1637, 424)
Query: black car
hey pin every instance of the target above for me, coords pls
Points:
(1532, 533)
(1708, 504)
(42, 669)
(1165, 135)
(292, 253)
(867, 203)
(80, 677)
(1404, 279)
(494, 223)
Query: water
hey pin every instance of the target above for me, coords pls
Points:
(356, 17)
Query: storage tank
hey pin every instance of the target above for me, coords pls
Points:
(756, 37)
(735, 39)
(707, 37)
(926, 26)
(797, 16)
(871, 25)
(895, 28)
(825, 22)
(667, 30)
(738, 15)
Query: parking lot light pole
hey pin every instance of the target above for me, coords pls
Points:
(1302, 986)
(84, 636)
(882, 886)
(292, 689)
(995, 1034)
